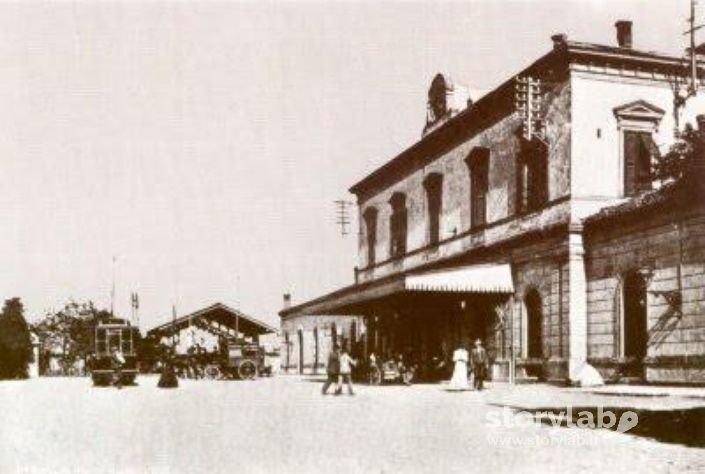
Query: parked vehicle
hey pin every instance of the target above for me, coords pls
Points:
(114, 334)
(245, 361)
(390, 371)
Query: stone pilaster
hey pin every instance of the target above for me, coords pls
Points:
(577, 311)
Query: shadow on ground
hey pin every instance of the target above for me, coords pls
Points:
(680, 426)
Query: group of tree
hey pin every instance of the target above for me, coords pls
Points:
(68, 333)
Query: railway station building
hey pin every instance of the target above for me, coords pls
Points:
(529, 218)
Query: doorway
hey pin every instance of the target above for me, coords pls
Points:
(534, 326)
(635, 330)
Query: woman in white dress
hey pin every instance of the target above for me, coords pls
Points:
(459, 381)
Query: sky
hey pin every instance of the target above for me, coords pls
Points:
(192, 151)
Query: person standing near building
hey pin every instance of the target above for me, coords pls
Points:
(459, 381)
(333, 369)
(346, 365)
(479, 362)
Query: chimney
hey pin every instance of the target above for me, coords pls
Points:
(624, 33)
(287, 300)
(560, 41)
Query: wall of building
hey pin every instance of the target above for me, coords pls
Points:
(503, 141)
(597, 179)
(307, 326)
(542, 266)
(663, 243)
(436, 323)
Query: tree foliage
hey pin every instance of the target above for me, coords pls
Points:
(70, 331)
(15, 341)
(681, 157)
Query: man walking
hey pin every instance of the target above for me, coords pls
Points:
(346, 364)
(333, 369)
(479, 362)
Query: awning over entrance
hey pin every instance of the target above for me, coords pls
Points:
(469, 279)
(354, 299)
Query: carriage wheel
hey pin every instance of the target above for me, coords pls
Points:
(375, 376)
(247, 370)
(213, 372)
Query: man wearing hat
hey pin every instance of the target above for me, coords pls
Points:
(479, 362)
(333, 369)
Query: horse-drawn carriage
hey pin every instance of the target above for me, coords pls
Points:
(245, 362)
(236, 360)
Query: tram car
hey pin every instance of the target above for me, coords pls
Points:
(114, 334)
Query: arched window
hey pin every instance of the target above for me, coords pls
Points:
(370, 218)
(397, 225)
(534, 325)
(433, 184)
(478, 163)
(532, 176)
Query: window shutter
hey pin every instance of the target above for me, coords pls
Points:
(542, 177)
(648, 151)
(481, 208)
(520, 171)
(479, 184)
(632, 145)
(402, 233)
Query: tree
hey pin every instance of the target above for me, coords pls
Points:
(70, 331)
(681, 157)
(15, 341)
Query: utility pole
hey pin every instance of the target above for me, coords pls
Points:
(681, 97)
(173, 328)
(112, 291)
(135, 305)
(528, 105)
(343, 218)
(693, 89)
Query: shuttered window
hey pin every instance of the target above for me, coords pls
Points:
(398, 225)
(639, 147)
(370, 218)
(532, 177)
(479, 181)
(434, 199)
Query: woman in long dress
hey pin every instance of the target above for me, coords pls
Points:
(459, 381)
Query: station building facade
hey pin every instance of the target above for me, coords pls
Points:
(548, 239)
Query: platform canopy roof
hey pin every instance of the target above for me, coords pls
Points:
(467, 279)
(216, 313)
